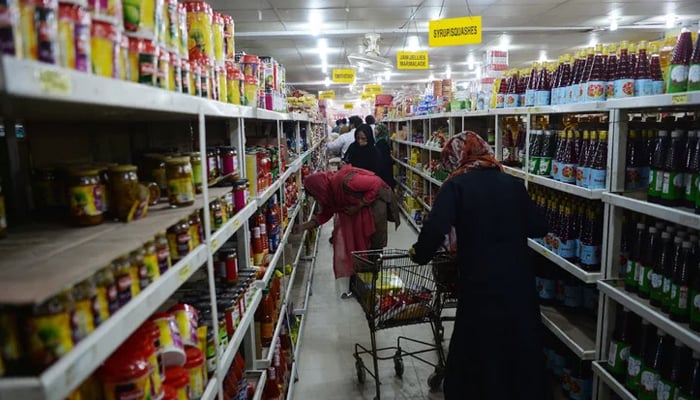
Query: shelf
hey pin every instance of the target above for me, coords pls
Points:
(641, 307)
(267, 355)
(419, 145)
(573, 269)
(71, 370)
(292, 168)
(680, 216)
(410, 220)
(419, 172)
(211, 392)
(576, 331)
(516, 172)
(590, 107)
(35, 90)
(292, 381)
(600, 370)
(39, 260)
(260, 387)
(418, 199)
(662, 100)
(566, 187)
(280, 249)
(241, 331)
(232, 226)
(452, 114)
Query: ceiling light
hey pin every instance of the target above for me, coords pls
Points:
(670, 21)
(431, 77)
(470, 61)
(412, 43)
(327, 81)
(504, 42)
(543, 56)
(322, 44)
(315, 23)
(448, 72)
(379, 80)
(387, 75)
(259, 15)
(361, 68)
(613, 24)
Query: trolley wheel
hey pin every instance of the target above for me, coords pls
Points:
(435, 380)
(398, 365)
(441, 333)
(361, 373)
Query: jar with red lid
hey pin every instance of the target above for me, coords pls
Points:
(38, 25)
(172, 349)
(74, 23)
(145, 339)
(194, 365)
(233, 83)
(176, 381)
(218, 38)
(228, 265)
(10, 41)
(239, 194)
(228, 160)
(186, 78)
(163, 75)
(126, 371)
(229, 41)
(195, 79)
(199, 30)
(175, 81)
(105, 43)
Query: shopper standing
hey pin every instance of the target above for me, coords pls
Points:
(386, 163)
(340, 145)
(369, 120)
(360, 202)
(496, 347)
(336, 129)
(362, 153)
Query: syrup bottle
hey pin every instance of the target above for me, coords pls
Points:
(531, 86)
(650, 254)
(633, 170)
(501, 94)
(564, 80)
(642, 72)
(657, 78)
(664, 262)
(624, 81)
(543, 87)
(621, 343)
(582, 155)
(690, 168)
(611, 70)
(694, 69)
(680, 287)
(598, 170)
(651, 367)
(587, 68)
(677, 78)
(669, 272)
(596, 79)
(673, 179)
(656, 177)
(641, 345)
(638, 239)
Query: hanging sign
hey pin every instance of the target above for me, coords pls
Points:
(454, 31)
(326, 94)
(343, 75)
(349, 106)
(367, 96)
(372, 88)
(412, 60)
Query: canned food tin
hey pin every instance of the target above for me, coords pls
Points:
(74, 24)
(163, 69)
(175, 73)
(105, 45)
(218, 37)
(199, 30)
(229, 41)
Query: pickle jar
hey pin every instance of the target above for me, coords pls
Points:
(51, 316)
(150, 260)
(106, 301)
(85, 197)
(196, 161)
(138, 267)
(227, 160)
(104, 182)
(163, 252)
(216, 215)
(154, 166)
(123, 190)
(126, 282)
(83, 319)
(48, 190)
(213, 170)
(179, 240)
(179, 177)
(3, 216)
(11, 351)
(196, 230)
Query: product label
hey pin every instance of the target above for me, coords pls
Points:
(82, 320)
(500, 100)
(512, 100)
(665, 390)
(534, 164)
(633, 178)
(617, 357)
(677, 78)
(163, 260)
(597, 179)
(649, 381)
(567, 249)
(695, 307)
(40, 348)
(545, 167)
(644, 278)
(580, 389)
(624, 88)
(542, 98)
(657, 87)
(672, 188)
(642, 87)
(634, 368)
(694, 77)
(180, 190)
(568, 172)
(610, 89)
(573, 296)
(86, 200)
(644, 183)
(136, 389)
(529, 97)
(590, 254)
(124, 285)
(147, 69)
(150, 262)
(631, 274)
(656, 183)
(666, 290)
(679, 300)
(100, 306)
(595, 91)
(656, 286)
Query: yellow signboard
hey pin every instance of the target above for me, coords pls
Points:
(367, 96)
(344, 75)
(454, 31)
(373, 88)
(349, 106)
(412, 60)
(326, 95)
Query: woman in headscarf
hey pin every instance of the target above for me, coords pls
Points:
(362, 153)
(361, 203)
(386, 163)
(496, 347)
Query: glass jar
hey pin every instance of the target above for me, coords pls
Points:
(107, 208)
(228, 265)
(123, 190)
(106, 301)
(3, 216)
(121, 268)
(83, 320)
(150, 259)
(179, 178)
(48, 190)
(196, 230)
(240, 190)
(196, 161)
(138, 267)
(228, 160)
(163, 252)
(51, 316)
(154, 168)
(179, 240)
(213, 168)
(85, 197)
(216, 215)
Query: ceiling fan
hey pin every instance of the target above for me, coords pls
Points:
(371, 59)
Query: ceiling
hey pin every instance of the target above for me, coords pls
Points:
(281, 29)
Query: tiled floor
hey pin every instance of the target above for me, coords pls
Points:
(333, 326)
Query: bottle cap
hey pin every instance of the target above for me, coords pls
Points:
(677, 133)
(652, 229)
(687, 245)
(663, 133)
(666, 235)
(677, 239)
(640, 225)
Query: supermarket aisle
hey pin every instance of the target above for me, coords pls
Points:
(326, 368)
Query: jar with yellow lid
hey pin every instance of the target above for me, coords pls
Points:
(106, 301)
(126, 284)
(51, 316)
(83, 320)
(196, 161)
(163, 252)
(123, 190)
(154, 170)
(138, 268)
(179, 177)
(85, 196)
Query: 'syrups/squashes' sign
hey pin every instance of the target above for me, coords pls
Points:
(454, 31)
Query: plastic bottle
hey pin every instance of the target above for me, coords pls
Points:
(650, 254)
(656, 177)
(501, 94)
(596, 78)
(669, 271)
(677, 78)
(694, 68)
(569, 162)
(680, 287)
(611, 70)
(657, 78)
(531, 86)
(582, 154)
(564, 80)
(548, 141)
(556, 78)
(673, 366)
(624, 80)
(631, 277)
(633, 169)
(632, 51)
(577, 81)
(641, 344)
(664, 261)
(598, 170)
(586, 73)
(535, 151)
(543, 86)
(651, 367)
(621, 343)
(690, 165)
(591, 240)
(673, 180)
(642, 72)
(690, 389)
(512, 98)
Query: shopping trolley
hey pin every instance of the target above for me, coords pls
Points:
(446, 274)
(393, 291)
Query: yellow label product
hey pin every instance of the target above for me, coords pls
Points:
(105, 43)
(48, 337)
(199, 30)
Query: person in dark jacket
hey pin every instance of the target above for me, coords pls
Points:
(362, 153)
(386, 163)
(496, 348)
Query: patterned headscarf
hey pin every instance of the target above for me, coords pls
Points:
(318, 185)
(467, 151)
(381, 132)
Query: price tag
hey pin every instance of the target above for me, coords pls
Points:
(214, 244)
(236, 224)
(677, 99)
(54, 82)
(185, 273)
